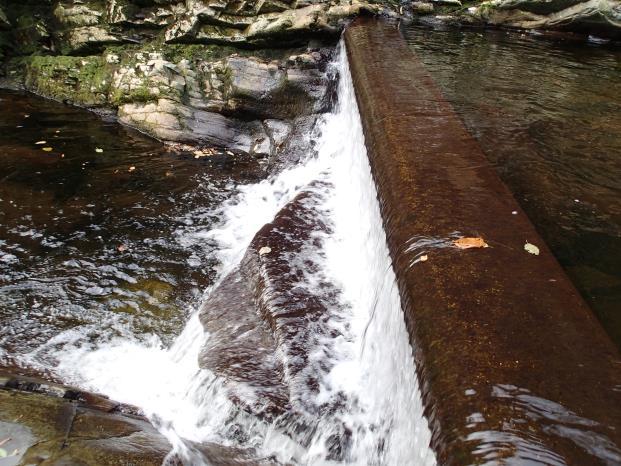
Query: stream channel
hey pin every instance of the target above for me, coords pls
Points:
(110, 243)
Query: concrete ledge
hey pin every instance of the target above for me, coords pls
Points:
(513, 363)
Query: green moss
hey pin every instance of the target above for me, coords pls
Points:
(83, 80)
(140, 94)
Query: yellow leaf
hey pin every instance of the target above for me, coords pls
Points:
(47, 149)
(98, 150)
(467, 243)
(531, 248)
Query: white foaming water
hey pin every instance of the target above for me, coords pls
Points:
(373, 363)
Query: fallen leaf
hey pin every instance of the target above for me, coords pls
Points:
(47, 149)
(57, 131)
(98, 150)
(423, 258)
(265, 250)
(26, 116)
(531, 248)
(467, 243)
(40, 142)
(132, 168)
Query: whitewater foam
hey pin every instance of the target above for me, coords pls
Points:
(372, 363)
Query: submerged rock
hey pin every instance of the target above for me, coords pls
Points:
(270, 319)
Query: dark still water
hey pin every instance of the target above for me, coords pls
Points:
(548, 116)
(101, 228)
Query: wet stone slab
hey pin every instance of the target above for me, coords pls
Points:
(48, 424)
(514, 366)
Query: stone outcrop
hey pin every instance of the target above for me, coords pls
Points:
(192, 94)
(45, 423)
(191, 71)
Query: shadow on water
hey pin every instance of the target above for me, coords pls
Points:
(100, 227)
(547, 115)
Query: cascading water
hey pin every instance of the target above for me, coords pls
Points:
(371, 371)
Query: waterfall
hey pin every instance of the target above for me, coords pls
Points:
(371, 364)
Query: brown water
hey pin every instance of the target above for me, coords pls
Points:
(101, 235)
(548, 116)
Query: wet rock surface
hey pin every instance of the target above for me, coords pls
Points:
(49, 424)
(270, 316)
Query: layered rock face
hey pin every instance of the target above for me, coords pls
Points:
(191, 71)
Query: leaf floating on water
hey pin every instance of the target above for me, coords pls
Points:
(265, 250)
(531, 248)
(47, 149)
(40, 142)
(467, 243)
(98, 150)
(131, 169)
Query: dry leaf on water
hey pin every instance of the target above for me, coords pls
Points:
(467, 243)
(98, 150)
(47, 149)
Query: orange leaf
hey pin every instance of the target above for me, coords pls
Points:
(467, 243)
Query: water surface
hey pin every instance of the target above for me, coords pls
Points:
(100, 227)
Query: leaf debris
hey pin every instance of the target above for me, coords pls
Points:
(468, 243)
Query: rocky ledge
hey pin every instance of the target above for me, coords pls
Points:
(236, 74)
(50, 424)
